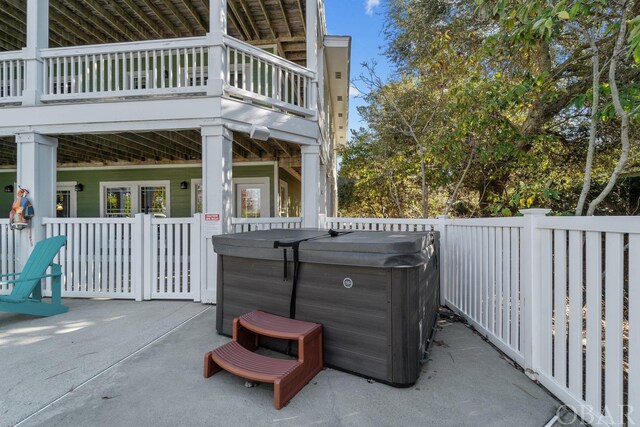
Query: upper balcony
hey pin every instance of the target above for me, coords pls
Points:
(99, 50)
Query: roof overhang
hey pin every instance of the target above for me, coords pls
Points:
(338, 63)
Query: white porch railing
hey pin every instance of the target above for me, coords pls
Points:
(258, 76)
(129, 258)
(7, 253)
(12, 77)
(241, 225)
(157, 67)
(559, 295)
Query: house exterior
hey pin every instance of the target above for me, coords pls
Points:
(110, 108)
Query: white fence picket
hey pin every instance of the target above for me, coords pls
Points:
(575, 312)
(614, 291)
(594, 319)
(634, 330)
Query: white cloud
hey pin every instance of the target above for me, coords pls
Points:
(371, 4)
(353, 91)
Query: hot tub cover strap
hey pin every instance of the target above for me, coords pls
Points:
(295, 246)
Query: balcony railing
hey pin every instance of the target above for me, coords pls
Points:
(256, 75)
(12, 72)
(161, 68)
(164, 67)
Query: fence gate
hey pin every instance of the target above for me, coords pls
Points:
(174, 264)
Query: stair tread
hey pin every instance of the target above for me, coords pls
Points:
(236, 359)
(276, 326)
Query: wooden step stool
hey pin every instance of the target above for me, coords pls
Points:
(288, 376)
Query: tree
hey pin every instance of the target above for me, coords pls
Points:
(572, 27)
(492, 104)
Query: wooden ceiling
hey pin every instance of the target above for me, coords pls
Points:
(153, 147)
(85, 22)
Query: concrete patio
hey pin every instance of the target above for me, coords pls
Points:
(122, 363)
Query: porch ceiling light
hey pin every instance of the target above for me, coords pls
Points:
(78, 187)
(8, 188)
(261, 133)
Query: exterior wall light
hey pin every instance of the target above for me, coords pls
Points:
(78, 187)
(184, 185)
(8, 188)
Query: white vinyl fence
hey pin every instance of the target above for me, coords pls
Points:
(559, 295)
(252, 224)
(129, 258)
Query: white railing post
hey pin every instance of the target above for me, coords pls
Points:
(138, 242)
(442, 228)
(217, 50)
(195, 257)
(530, 285)
(37, 39)
(148, 258)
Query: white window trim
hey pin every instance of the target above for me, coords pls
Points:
(263, 180)
(194, 183)
(135, 191)
(283, 185)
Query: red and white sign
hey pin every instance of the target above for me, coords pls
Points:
(212, 217)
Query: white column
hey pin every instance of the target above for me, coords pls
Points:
(217, 200)
(312, 50)
(218, 16)
(530, 273)
(217, 50)
(310, 185)
(324, 190)
(312, 35)
(37, 38)
(36, 173)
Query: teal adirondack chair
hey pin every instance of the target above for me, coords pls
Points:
(26, 296)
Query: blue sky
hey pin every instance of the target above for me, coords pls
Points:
(363, 21)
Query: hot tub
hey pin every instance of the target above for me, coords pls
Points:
(375, 293)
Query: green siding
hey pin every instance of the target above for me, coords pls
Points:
(89, 198)
(6, 199)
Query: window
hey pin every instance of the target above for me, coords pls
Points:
(66, 202)
(253, 198)
(153, 199)
(123, 199)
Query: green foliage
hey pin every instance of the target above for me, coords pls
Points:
(499, 92)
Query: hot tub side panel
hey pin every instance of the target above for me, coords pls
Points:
(354, 319)
(247, 284)
(414, 296)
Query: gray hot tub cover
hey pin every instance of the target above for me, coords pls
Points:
(362, 248)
